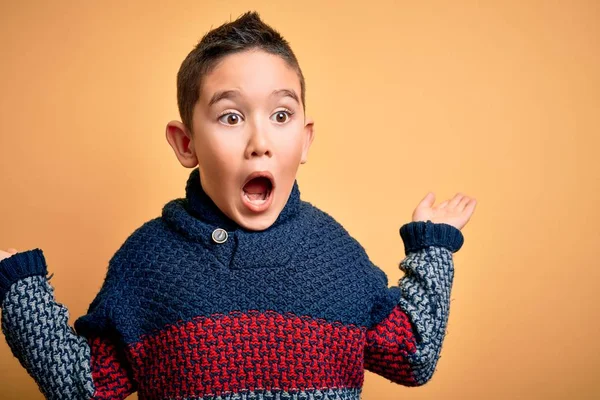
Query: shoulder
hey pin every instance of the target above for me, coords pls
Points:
(149, 231)
(326, 234)
(321, 223)
(329, 235)
(142, 240)
(121, 264)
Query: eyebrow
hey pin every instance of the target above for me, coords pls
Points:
(231, 94)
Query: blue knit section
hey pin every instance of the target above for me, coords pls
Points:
(418, 235)
(426, 288)
(19, 266)
(326, 274)
(37, 331)
(170, 270)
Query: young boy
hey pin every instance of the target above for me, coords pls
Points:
(240, 290)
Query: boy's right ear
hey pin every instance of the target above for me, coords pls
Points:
(181, 141)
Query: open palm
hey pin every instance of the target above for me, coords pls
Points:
(456, 211)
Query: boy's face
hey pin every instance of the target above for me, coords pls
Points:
(248, 118)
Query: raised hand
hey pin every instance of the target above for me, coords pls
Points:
(456, 211)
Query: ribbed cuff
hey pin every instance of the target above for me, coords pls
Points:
(418, 235)
(19, 266)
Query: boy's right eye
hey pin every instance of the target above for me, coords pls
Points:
(230, 118)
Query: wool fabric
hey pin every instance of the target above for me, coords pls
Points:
(296, 311)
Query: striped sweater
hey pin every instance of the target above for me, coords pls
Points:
(194, 306)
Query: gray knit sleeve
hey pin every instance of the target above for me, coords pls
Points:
(63, 364)
(405, 346)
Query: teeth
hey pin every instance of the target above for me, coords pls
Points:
(257, 196)
(255, 199)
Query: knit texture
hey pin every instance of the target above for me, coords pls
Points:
(422, 234)
(297, 311)
(16, 268)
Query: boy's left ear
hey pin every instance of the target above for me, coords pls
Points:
(309, 134)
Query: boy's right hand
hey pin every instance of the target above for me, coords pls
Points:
(6, 254)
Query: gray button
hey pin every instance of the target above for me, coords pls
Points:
(219, 235)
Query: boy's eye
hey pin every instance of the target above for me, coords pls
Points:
(282, 116)
(230, 118)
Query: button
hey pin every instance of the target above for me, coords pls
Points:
(219, 235)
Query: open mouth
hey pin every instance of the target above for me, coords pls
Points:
(257, 191)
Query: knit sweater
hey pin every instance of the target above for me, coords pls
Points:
(194, 306)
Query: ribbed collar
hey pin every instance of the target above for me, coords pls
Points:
(196, 217)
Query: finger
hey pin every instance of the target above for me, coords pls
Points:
(443, 204)
(470, 207)
(455, 200)
(463, 202)
(428, 200)
(12, 251)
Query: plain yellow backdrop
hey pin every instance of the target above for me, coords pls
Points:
(499, 100)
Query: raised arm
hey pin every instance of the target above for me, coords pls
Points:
(64, 365)
(405, 346)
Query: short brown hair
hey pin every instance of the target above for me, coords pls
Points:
(245, 33)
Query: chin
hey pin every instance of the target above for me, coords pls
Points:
(257, 223)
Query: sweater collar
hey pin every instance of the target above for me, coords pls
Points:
(196, 217)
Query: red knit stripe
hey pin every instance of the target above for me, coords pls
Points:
(387, 346)
(109, 377)
(221, 354)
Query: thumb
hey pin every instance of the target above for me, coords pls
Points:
(428, 200)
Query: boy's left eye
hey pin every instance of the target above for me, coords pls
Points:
(230, 119)
(282, 116)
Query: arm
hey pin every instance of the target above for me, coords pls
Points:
(64, 364)
(405, 346)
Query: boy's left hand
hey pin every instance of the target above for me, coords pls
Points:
(456, 211)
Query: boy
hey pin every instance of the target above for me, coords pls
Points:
(241, 289)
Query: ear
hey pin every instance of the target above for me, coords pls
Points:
(182, 143)
(309, 134)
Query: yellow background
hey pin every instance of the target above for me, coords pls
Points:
(499, 100)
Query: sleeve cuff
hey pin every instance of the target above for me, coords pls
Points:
(418, 235)
(19, 266)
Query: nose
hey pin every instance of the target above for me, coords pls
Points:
(258, 142)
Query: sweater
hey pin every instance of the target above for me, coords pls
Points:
(194, 306)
